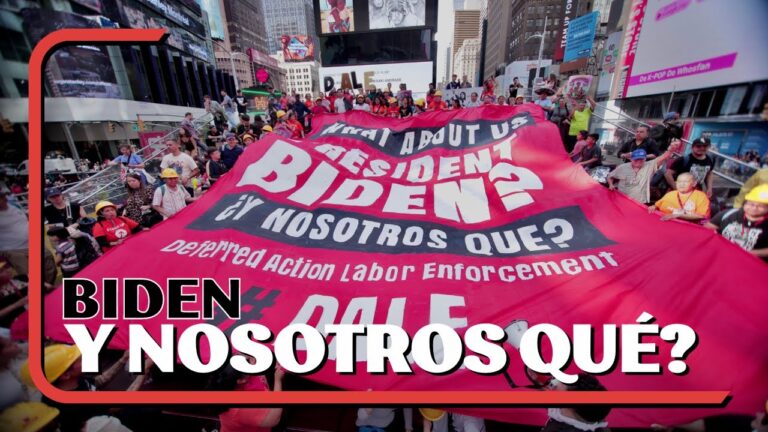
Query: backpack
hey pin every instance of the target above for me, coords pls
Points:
(85, 250)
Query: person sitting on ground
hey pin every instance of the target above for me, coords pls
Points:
(581, 417)
(634, 177)
(591, 156)
(685, 203)
(257, 419)
(757, 179)
(215, 168)
(641, 141)
(169, 198)
(698, 163)
(111, 230)
(747, 226)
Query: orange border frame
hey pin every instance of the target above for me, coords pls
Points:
(431, 398)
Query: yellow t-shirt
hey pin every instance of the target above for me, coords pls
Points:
(695, 203)
(580, 121)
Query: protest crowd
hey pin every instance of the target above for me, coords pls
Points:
(653, 171)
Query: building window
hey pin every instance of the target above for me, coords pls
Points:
(13, 46)
(22, 86)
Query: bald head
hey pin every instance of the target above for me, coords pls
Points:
(685, 182)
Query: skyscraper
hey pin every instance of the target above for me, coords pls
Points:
(287, 17)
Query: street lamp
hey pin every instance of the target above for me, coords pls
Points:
(542, 36)
(231, 62)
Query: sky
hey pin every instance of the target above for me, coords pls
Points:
(444, 35)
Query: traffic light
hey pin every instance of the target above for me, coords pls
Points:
(6, 125)
(141, 125)
(111, 127)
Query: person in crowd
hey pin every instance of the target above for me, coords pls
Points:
(698, 163)
(437, 103)
(454, 84)
(320, 107)
(182, 163)
(212, 137)
(510, 101)
(430, 94)
(139, 200)
(63, 368)
(514, 87)
(14, 240)
(127, 158)
(501, 100)
(579, 120)
(456, 103)
(581, 142)
(215, 167)
(340, 104)
(246, 127)
(13, 294)
(757, 179)
(260, 419)
(66, 253)
(300, 112)
(169, 198)
(308, 102)
(403, 92)
(581, 417)
(641, 141)
(248, 139)
(552, 82)
(465, 82)
(188, 145)
(217, 111)
(360, 104)
(241, 103)
(60, 211)
(668, 130)
(685, 203)
(379, 419)
(419, 106)
(406, 107)
(110, 229)
(747, 226)
(519, 99)
(473, 101)
(188, 124)
(265, 130)
(13, 390)
(30, 417)
(393, 110)
(544, 100)
(231, 151)
(559, 115)
(634, 178)
(295, 126)
(229, 108)
(591, 156)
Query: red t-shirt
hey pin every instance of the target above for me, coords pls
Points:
(243, 420)
(114, 230)
(437, 105)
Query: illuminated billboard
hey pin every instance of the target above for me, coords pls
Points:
(297, 47)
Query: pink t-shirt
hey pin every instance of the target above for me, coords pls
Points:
(577, 148)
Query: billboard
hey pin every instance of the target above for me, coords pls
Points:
(387, 14)
(678, 49)
(177, 38)
(581, 34)
(416, 76)
(72, 71)
(569, 10)
(297, 47)
(215, 21)
(610, 56)
(336, 16)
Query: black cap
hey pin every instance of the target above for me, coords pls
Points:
(701, 141)
(52, 192)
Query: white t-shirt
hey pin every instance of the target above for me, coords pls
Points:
(339, 104)
(14, 233)
(361, 107)
(172, 201)
(183, 164)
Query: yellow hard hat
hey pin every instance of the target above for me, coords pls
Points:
(169, 173)
(431, 414)
(267, 128)
(247, 136)
(101, 204)
(439, 93)
(57, 359)
(392, 100)
(280, 113)
(419, 102)
(758, 194)
(27, 417)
